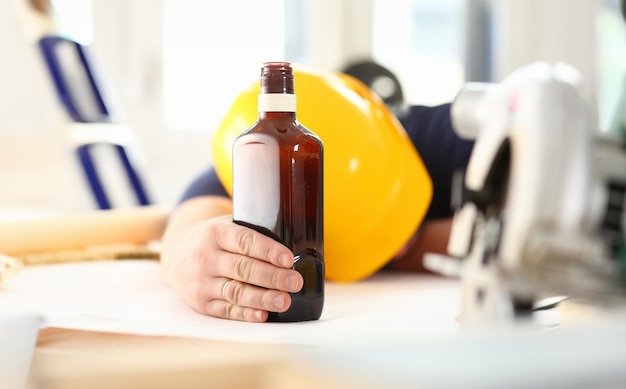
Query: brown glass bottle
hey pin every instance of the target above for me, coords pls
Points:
(278, 186)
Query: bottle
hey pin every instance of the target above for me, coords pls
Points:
(278, 186)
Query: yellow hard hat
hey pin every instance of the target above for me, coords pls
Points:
(376, 188)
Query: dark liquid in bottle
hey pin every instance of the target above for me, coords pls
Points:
(278, 191)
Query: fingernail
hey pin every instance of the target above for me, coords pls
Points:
(285, 260)
(258, 315)
(292, 283)
(279, 302)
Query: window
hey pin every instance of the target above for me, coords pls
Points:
(420, 41)
(611, 62)
(74, 17)
(208, 49)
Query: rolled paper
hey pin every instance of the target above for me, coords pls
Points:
(137, 225)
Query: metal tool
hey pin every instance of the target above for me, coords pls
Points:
(541, 207)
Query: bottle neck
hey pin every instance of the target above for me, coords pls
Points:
(277, 77)
(277, 98)
(291, 116)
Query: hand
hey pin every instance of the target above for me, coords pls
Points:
(230, 271)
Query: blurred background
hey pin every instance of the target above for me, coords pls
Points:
(172, 68)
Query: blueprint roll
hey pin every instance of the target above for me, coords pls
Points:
(137, 225)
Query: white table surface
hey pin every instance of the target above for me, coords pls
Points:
(129, 297)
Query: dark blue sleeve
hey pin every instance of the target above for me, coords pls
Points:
(206, 184)
(443, 152)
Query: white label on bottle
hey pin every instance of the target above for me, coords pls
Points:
(256, 180)
(277, 102)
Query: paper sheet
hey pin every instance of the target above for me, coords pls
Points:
(129, 297)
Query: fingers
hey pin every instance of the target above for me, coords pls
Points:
(256, 259)
(247, 242)
(250, 296)
(234, 272)
(241, 301)
(225, 310)
(255, 272)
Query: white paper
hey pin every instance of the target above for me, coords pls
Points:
(18, 336)
(129, 297)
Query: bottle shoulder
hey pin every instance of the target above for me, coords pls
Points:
(283, 130)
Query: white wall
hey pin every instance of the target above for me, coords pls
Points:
(549, 30)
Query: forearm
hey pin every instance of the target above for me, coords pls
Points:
(432, 237)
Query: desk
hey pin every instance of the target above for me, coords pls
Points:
(115, 324)
(71, 359)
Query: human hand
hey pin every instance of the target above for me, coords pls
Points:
(230, 271)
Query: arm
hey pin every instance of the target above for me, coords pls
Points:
(431, 237)
(222, 269)
(444, 153)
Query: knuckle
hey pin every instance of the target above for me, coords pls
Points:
(225, 310)
(229, 311)
(244, 240)
(242, 268)
(268, 252)
(236, 293)
(221, 309)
